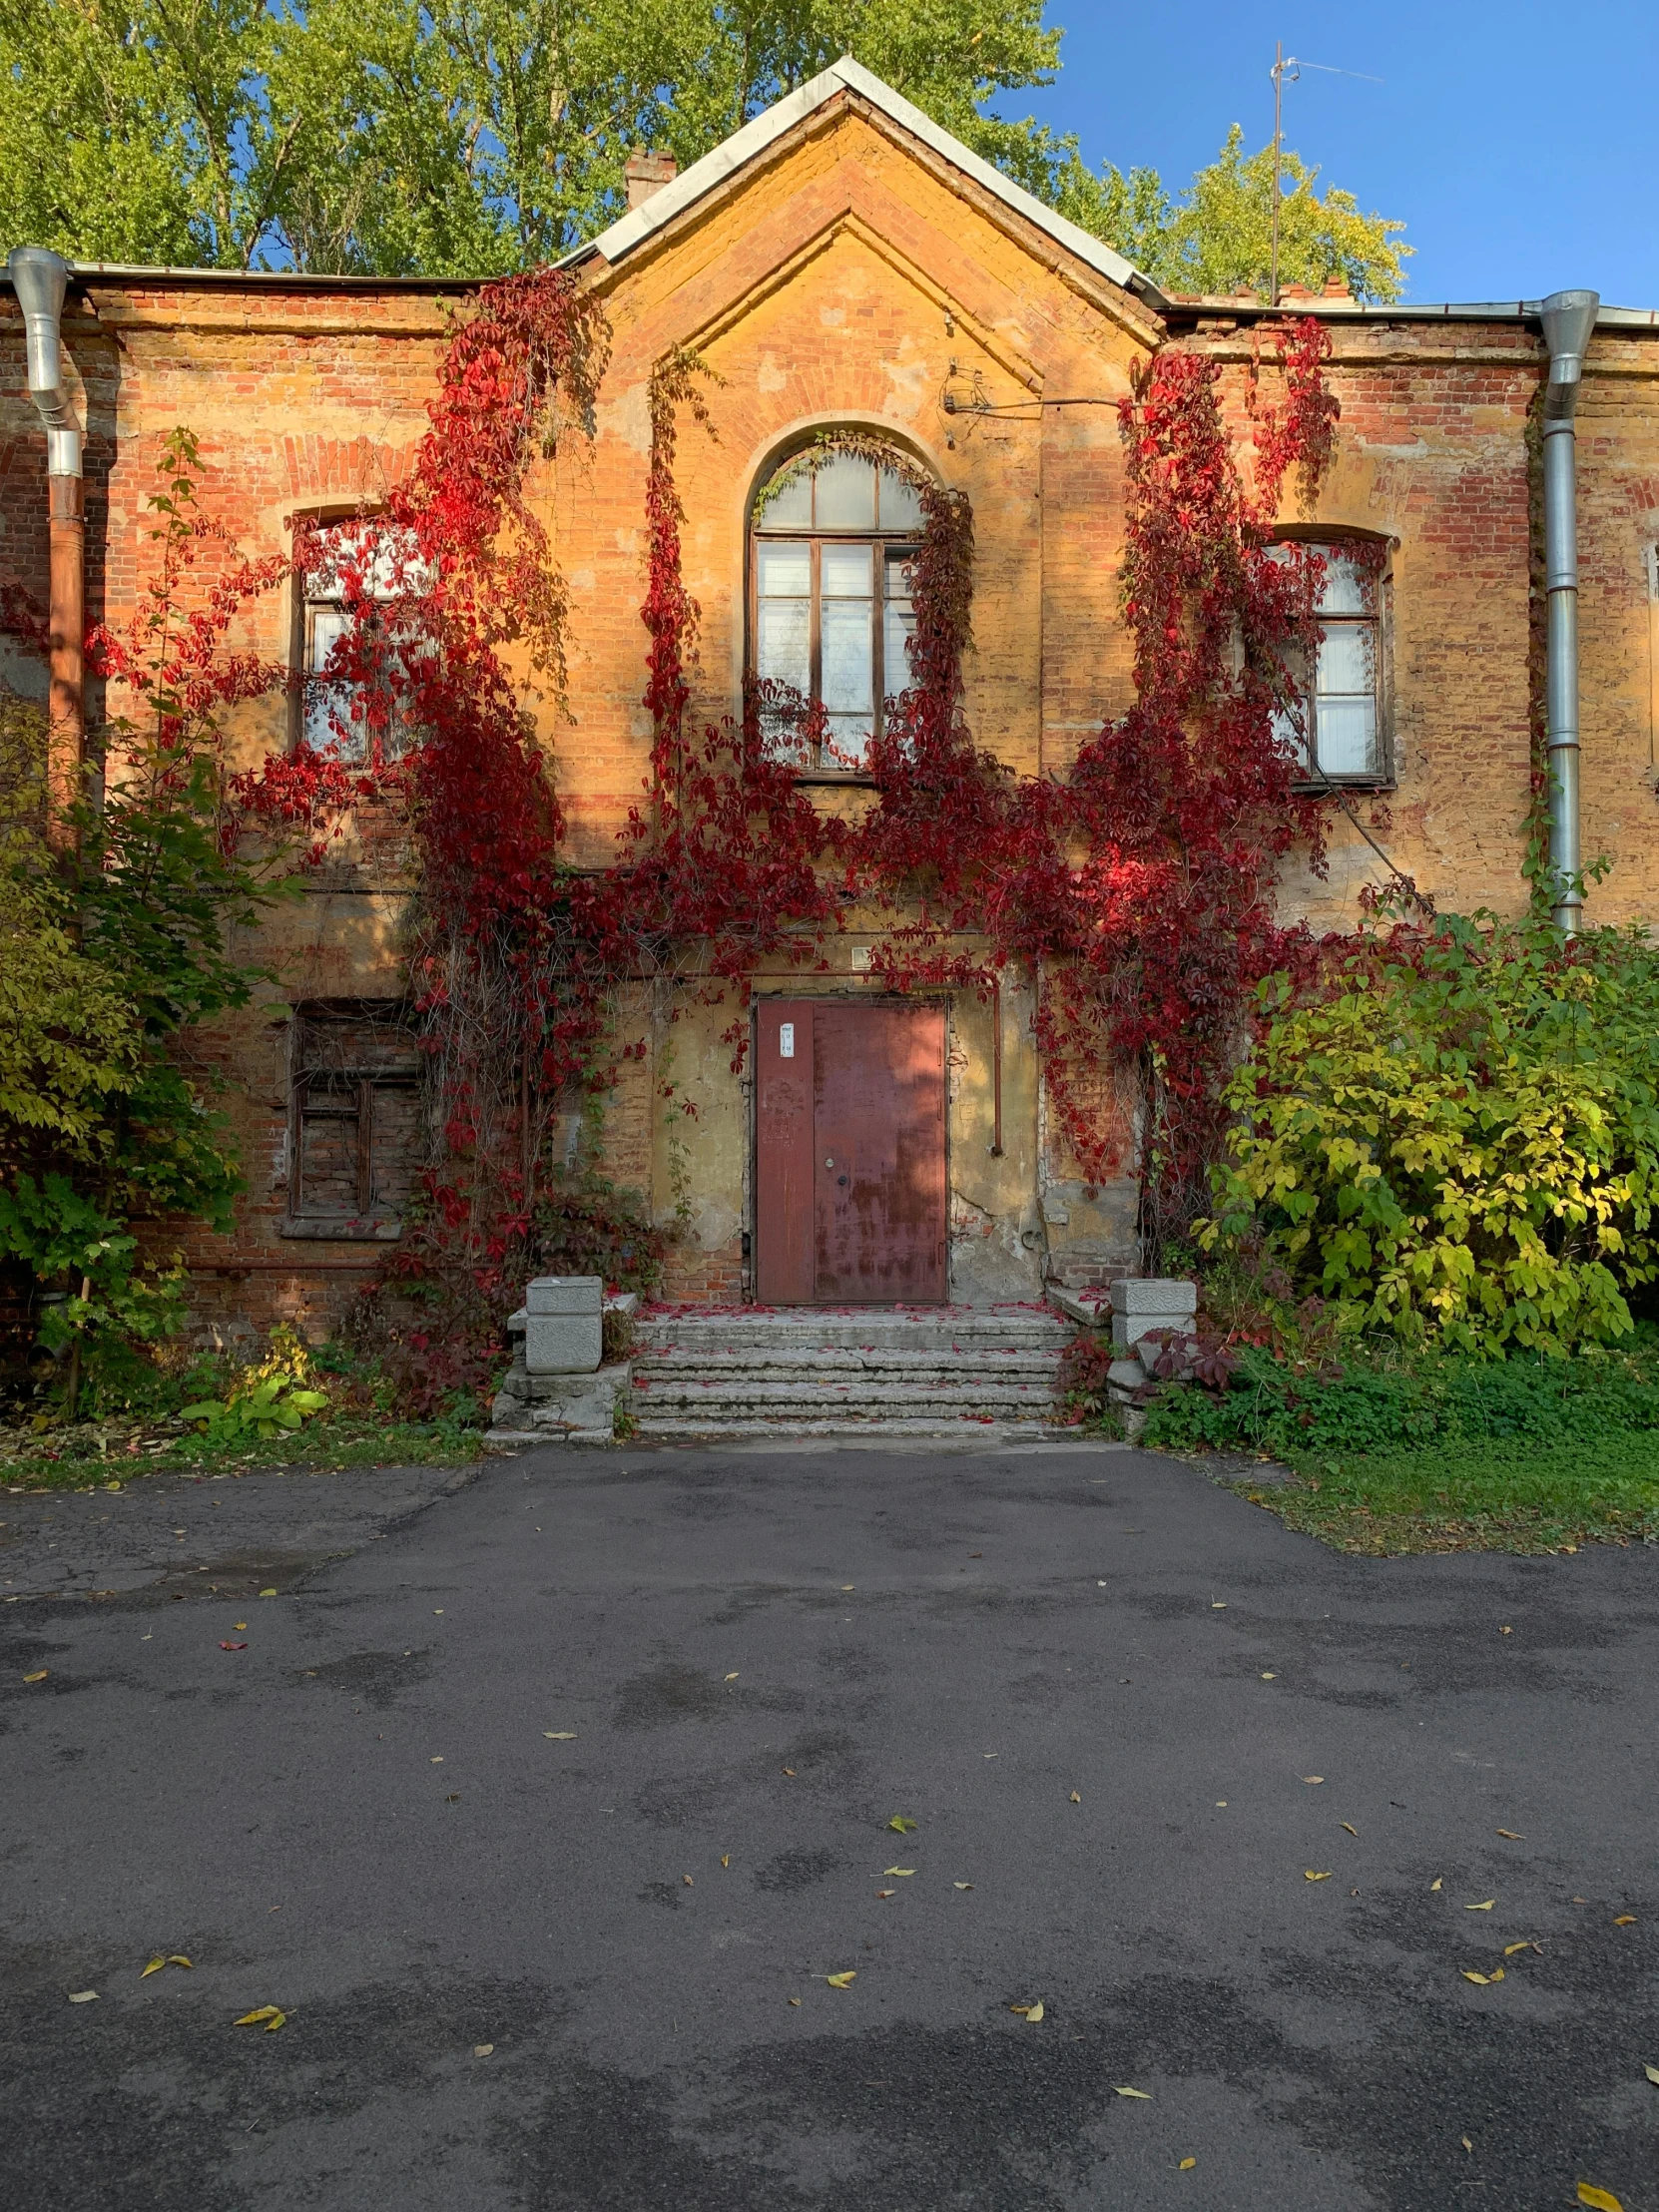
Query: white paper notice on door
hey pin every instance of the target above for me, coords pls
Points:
(785, 1040)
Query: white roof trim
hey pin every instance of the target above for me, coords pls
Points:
(846, 75)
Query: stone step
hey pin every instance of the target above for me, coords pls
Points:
(742, 1395)
(1023, 1329)
(997, 1363)
(963, 1429)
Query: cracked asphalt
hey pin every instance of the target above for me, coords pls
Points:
(545, 1797)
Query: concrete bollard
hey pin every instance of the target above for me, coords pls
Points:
(562, 1333)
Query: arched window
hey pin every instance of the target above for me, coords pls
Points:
(831, 546)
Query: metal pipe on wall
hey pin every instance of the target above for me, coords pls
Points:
(1568, 318)
(40, 280)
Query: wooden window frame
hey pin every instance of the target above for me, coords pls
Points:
(1381, 776)
(303, 601)
(356, 1105)
(883, 546)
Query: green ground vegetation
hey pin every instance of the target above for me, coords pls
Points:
(1444, 1452)
(164, 1409)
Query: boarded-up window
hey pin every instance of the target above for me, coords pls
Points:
(356, 1119)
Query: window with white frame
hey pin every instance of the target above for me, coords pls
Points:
(353, 646)
(1337, 728)
(831, 547)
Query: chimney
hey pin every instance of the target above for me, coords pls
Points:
(647, 173)
(1336, 287)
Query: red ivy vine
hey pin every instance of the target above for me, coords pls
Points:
(1137, 890)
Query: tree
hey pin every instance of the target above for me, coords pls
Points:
(1219, 237)
(461, 138)
(468, 137)
(107, 966)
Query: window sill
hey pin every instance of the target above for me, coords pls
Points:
(855, 779)
(1326, 786)
(342, 1232)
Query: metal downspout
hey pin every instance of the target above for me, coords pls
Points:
(1568, 318)
(40, 280)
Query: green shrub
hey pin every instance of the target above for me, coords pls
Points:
(1361, 1408)
(1457, 1140)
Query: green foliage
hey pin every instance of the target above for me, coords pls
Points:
(105, 963)
(387, 136)
(273, 1408)
(1309, 1416)
(1218, 238)
(1457, 1139)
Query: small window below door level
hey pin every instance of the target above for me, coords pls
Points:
(355, 1128)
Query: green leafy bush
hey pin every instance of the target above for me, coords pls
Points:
(1457, 1140)
(1337, 1410)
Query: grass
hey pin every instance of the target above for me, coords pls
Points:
(94, 1455)
(1391, 1453)
(1473, 1497)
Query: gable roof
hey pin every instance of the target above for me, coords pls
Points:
(846, 75)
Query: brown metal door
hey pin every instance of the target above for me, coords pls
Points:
(850, 1179)
(784, 1152)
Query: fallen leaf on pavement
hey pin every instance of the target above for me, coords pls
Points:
(1509, 1949)
(223, 1646)
(560, 1735)
(1512, 1835)
(1033, 2014)
(1467, 2145)
(731, 1678)
(81, 1997)
(1436, 1884)
(1076, 1796)
(962, 1885)
(1652, 2073)
(900, 1826)
(238, 1624)
(843, 1981)
(1349, 1824)
(39, 1675)
(1484, 1906)
(1218, 1605)
(1506, 1632)
(1496, 1974)
(1308, 1874)
(155, 1967)
(482, 2051)
(1625, 1920)
(1313, 1777)
(848, 1588)
(1144, 2094)
(898, 1870)
(268, 1593)
(687, 1880)
(436, 1759)
(1187, 2165)
(1270, 1678)
(726, 1857)
(795, 2000)
(455, 1797)
(789, 1770)
(1602, 2199)
(887, 1892)
(271, 2017)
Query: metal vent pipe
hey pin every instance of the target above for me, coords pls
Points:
(39, 281)
(1568, 318)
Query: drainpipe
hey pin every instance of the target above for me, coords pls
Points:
(1568, 320)
(40, 280)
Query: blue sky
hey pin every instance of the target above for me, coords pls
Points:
(1518, 143)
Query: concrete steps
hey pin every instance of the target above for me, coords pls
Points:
(905, 1371)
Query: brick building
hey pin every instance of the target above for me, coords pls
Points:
(842, 261)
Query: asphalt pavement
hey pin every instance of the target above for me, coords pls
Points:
(551, 1802)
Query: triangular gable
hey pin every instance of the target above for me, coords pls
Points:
(846, 75)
